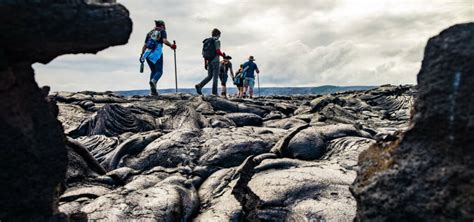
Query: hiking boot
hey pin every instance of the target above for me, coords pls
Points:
(198, 90)
(223, 94)
(153, 89)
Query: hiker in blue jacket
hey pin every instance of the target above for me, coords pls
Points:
(152, 53)
(249, 68)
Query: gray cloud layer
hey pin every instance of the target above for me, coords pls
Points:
(296, 43)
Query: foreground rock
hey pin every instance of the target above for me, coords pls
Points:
(182, 157)
(427, 175)
(34, 156)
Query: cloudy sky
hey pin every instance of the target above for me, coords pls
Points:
(295, 42)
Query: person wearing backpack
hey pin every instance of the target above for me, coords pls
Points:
(239, 81)
(211, 51)
(249, 75)
(152, 53)
(224, 68)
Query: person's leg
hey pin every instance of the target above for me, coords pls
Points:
(205, 80)
(153, 70)
(223, 78)
(158, 70)
(251, 86)
(246, 87)
(157, 75)
(215, 70)
(224, 91)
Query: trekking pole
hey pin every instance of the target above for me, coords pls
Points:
(175, 69)
(258, 82)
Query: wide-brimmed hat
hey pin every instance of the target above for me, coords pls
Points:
(228, 57)
(251, 58)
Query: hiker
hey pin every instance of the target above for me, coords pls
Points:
(211, 52)
(224, 67)
(152, 53)
(239, 81)
(249, 75)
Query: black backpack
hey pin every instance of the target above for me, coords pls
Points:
(209, 49)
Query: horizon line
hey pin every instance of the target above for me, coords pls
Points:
(266, 87)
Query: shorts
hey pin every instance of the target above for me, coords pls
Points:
(223, 77)
(250, 82)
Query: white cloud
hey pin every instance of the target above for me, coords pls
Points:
(296, 43)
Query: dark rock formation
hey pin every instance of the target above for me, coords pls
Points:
(81, 164)
(132, 146)
(427, 175)
(285, 123)
(221, 122)
(112, 120)
(100, 147)
(245, 119)
(310, 143)
(212, 159)
(185, 116)
(234, 107)
(170, 199)
(34, 156)
(44, 29)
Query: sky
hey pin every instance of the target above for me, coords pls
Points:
(295, 42)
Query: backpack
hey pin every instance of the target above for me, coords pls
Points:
(238, 78)
(154, 36)
(209, 49)
(244, 72)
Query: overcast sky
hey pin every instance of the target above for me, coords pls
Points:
(295, 42)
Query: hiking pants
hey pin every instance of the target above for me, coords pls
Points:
(156, 69)
(212, 73)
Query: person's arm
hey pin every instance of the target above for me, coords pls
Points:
(144, 48)
(219, 52)
(231, 71)
(166, 42)
(256, 69)
(217, 44)
(144, 45)
(205, 64)
(164, 35)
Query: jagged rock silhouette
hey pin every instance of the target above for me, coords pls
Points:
(34, 155)
(426, 175)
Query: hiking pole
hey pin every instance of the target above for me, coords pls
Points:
(258, 82)
(175, 69)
